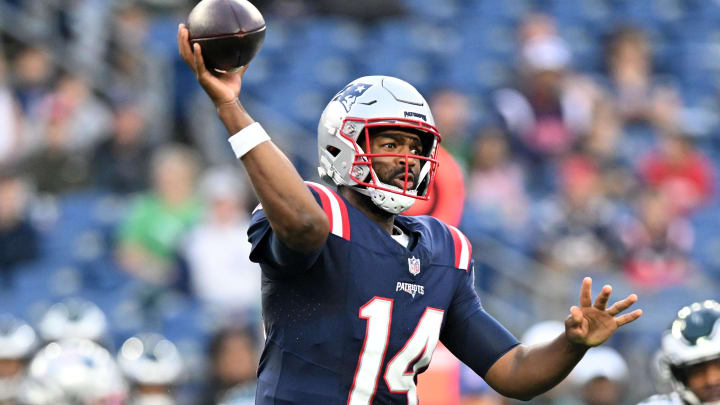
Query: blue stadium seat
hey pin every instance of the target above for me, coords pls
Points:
(500, 12)
(162, 36)
(435, 10)
(319, 36)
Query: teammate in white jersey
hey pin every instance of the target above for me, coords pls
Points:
(690, 357)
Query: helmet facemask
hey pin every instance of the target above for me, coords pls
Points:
(389, 197)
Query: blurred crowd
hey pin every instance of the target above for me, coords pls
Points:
(579, 139)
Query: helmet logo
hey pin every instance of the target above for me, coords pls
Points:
(414, 266)
(411, 114)
(350, 93)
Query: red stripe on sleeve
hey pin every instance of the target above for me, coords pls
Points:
(344, 214)
(325, 202)
(458, 246)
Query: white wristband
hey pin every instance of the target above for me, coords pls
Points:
(248, 138)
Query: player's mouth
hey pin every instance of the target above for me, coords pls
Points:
(399, 181)
(710, 393)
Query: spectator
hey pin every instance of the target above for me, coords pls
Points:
(497, 201)
(217, 250)
(11, 118)
(233, 362)
(681, 172)
(32, 74)
(551, 107)
(18, 237)
(85, 117)
(452, 113)
(136, 69)
(601, 377)
(603, 146)
(657, 242)
(577, 228)
(637, 94)
(120, 163)
(56, 168)
(149, 235)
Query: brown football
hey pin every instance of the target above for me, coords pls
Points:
(230, 33)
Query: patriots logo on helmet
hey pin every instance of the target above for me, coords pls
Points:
(350, 93)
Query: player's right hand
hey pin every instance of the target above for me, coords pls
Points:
(223, 88)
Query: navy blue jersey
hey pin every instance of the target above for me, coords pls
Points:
(354, 322)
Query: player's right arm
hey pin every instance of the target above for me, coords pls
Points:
(294, 215)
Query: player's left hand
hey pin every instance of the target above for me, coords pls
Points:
(591, 324)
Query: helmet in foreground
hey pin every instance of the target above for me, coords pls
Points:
(693, 338)
(367, 104)
(73, 318)
(17, 344)
(17, 338)
(150, 359)
(73, 372)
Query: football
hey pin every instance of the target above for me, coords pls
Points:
(230, 33)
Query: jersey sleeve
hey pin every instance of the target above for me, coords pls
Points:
(276, 258)
(471, 334)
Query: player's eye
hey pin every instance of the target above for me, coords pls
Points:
(389, 145)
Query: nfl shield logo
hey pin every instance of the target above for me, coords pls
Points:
(414, 266)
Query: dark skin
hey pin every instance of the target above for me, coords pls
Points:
(704, 380)
(298, 221)
(389, 169)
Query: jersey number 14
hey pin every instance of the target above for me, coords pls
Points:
(418, 349)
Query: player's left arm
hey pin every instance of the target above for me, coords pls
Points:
(526, 371)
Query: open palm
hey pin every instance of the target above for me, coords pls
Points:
(222, 88)
(591, 324)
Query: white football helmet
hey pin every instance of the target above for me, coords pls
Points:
(73, 372)
(150, 359)
(376, 102)
(17, 338)
(17, 344)
(73, 318)
(693, 338)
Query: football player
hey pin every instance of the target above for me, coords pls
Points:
(355, 296)
(690, 357)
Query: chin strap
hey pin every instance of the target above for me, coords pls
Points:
(688, 396)
(389, 201)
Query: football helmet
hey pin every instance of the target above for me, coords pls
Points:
(17, 343)
(693, 338)
(369, 103)
(73, 372)
(17, 338)
(150, 359)
(73, 318)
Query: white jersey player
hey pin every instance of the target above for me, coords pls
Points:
(690, 357)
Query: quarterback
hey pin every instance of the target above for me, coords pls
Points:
(355, 296)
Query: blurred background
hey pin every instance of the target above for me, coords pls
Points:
(580, 136)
